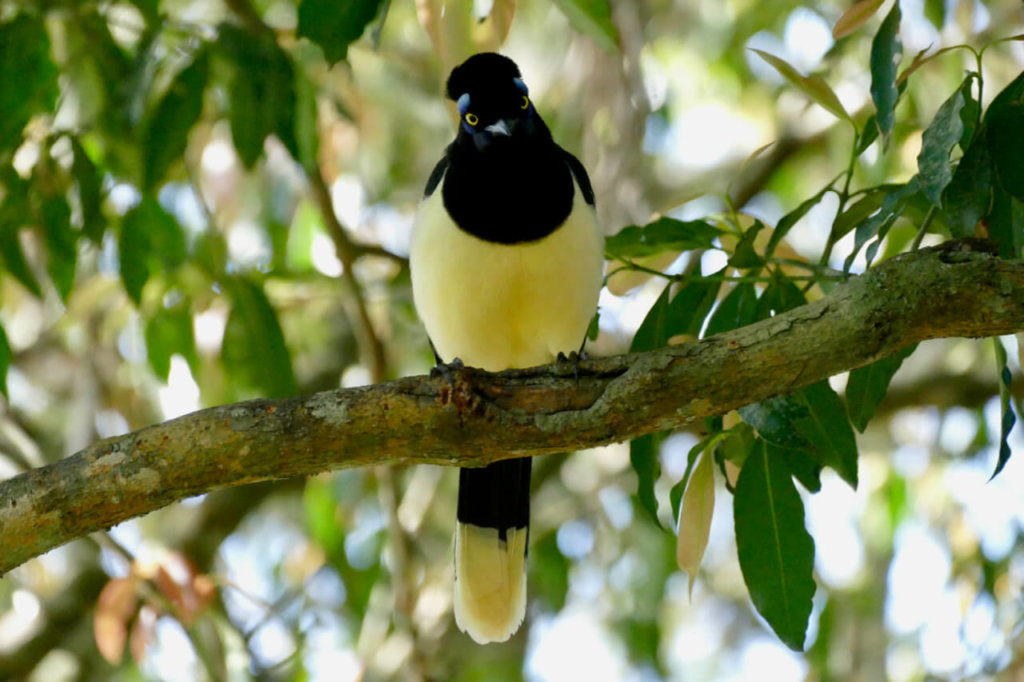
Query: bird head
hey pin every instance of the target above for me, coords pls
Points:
(493, 101)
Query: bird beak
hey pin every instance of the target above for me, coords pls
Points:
(500, 128)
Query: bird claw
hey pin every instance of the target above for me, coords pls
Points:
(446, 370)
(575, 358)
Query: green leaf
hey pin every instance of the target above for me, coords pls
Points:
(254, 350)
(594, 328)
(61, 243)
(812, 419)
(780, 295)
(307, 130)
(694, 526)
(827, 427)
(855, 17)
(938, 140)
(867, 386)
(736, 310)
(335, 25)
(868, 135)
(643, 457)
(970, 114)
(1006, 407)
(1006, 224)
(877, 225)
(858, 212)
(812, 86)
(683, 315)
(886, 52)
(261, 93)
(1006, 146)
(787, 221)
(969, 194)
(90, 196)
(169, 331)
(664, 234)
(804, 466)
(166, 132)
(27, 74)
(745, 256)
(5, 360)
(775, 551)
(14, 209)
(150, 237)
(593, 18)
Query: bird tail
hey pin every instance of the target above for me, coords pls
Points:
(490, 549)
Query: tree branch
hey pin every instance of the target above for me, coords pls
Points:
(945, 291)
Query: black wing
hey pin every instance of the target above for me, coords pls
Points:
(435, 176)
(582, 179)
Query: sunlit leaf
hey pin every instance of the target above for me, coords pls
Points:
(593, 18)
(867, 386)
(335, 25)
(694, 526)
(1006, 406)
(254, 350)
(812, 86)
(27, 74)
(938, 140)
(855, 17)
(664, 234)
(886, 53)
(168, 127)
(776, 553)
(858, 212)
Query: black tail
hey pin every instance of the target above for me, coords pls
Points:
(490, 549)
(496, 496)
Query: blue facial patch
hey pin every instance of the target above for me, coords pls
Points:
(463, 103)
(521, 85)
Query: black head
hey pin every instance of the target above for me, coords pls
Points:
(494, 103)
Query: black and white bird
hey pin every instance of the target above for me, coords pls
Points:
(507, 263)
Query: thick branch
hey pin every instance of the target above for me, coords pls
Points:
(941, 292)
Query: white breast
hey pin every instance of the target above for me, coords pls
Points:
(499, 306)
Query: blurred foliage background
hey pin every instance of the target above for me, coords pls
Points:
(204, 201)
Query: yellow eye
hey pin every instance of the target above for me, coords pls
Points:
(472, 119)
(526, 103)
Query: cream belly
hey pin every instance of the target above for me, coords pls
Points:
(498, 306)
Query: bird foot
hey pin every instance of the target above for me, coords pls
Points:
(574, 358)
(446, 370)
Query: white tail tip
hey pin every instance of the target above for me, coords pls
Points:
(490, 582)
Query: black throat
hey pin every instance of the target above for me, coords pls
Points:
(518, 190)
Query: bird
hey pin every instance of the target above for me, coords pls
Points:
(506, 262)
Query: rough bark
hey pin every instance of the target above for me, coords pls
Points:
(480, 417)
